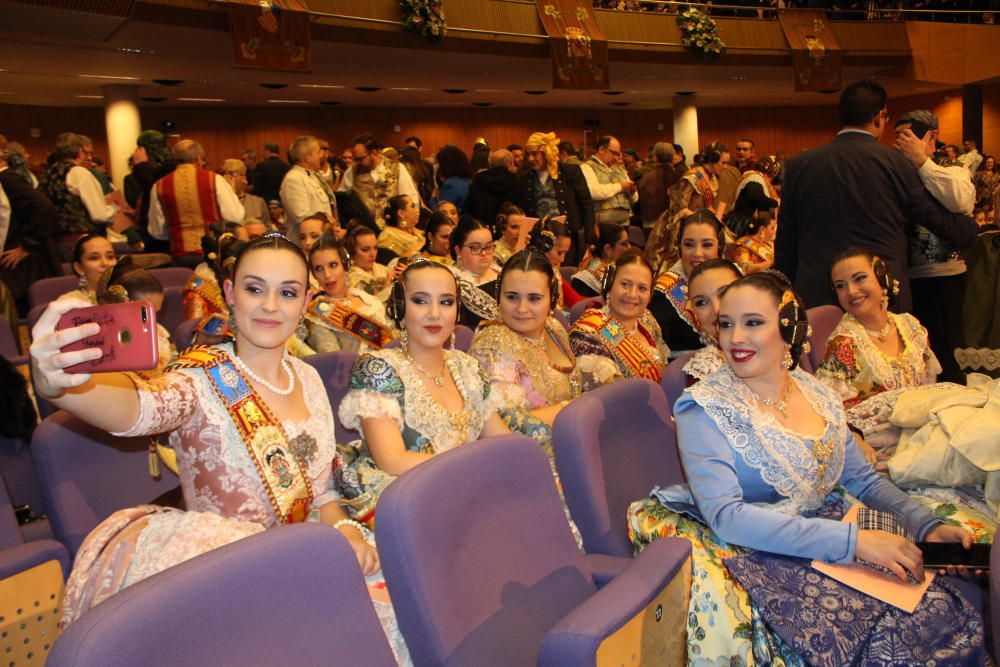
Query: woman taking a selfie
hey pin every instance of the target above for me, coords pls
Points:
(251, 426)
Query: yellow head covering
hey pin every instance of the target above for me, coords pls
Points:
(548, 143)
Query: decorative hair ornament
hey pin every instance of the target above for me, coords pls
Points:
(274, 235)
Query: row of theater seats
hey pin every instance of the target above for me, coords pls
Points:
(474, 545)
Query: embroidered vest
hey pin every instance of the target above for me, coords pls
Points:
(73, 215)
(623, 348)
(187, 196)
(606, 175)
(281, 471)
(374, 194)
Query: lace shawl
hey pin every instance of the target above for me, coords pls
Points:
(385, 385)
(474, 299)
(784, 460)
(521, 373)
(705, 361)
(217, 473)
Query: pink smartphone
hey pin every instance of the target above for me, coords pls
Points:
(127, 338)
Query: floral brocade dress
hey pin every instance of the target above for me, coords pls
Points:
(224, 493)
(756, 487)
(385, 384)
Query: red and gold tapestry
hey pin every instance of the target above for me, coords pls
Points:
(270, 34)
(579, 48)
(816, 55)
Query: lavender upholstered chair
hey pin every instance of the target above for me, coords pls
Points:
(87, 474)
(483, 568)
(637, 237)
(49, 289)
(171, 315)
(567, 272)
(823, 320)
(612, 446)
(335, 370)
(183, 335)
(994, 601)
(576, 310)
(674, 380)
(172, 276)
(292, 595)
(18, 471)
(31, 584)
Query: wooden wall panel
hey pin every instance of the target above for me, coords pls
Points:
(225, 132)
(991, 121)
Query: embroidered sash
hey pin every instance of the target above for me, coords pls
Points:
(340, 316)
(703, 185)
(674, 286)
(215, 324)
(622, 347)
(266, 441)
(208, 290)
(762, 250)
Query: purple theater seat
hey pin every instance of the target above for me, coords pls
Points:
(674, 380)
(637, 237)
(483, 569)
(183, 334)
(171, 315)
(994, 601)
(576, 310)
(87, 474)
(172, 276)
(823, 320)
(35, 313)
(49, 289)
(560, 317)
(18, 471)
(612, 446)
(335, 370)
(8, 345)
(292, 595)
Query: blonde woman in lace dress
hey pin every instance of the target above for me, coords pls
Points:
(251, 426)
(417, 400)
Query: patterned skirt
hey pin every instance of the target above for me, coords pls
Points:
(724, 627)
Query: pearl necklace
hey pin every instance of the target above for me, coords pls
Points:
(264, 383)
(438, 379)
(881, 333)
(779, 404)
(535, 343)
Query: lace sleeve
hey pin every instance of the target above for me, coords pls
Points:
(839, 367)
(504, 376)
(165, 403)
(596, 370)
(376, 392)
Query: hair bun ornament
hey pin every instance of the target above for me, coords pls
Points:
(545, 241)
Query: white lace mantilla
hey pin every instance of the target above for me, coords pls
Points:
(705, 361)
(784, 460)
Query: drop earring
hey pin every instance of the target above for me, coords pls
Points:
(232, 321)
(82, 282)
(451, 340)
(885, 299)
(404, 340)
(302, 331)
(786, 358)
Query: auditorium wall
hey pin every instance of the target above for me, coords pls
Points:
(225, 132)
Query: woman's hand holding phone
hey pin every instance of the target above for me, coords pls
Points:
(48, 361)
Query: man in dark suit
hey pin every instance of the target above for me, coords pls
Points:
(492, 188)
(558, 189)
(267, 175)
(856, 192)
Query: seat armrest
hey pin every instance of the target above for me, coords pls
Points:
(605, 568)
(642, 612)
(25, 556)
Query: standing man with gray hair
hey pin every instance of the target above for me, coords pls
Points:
(304, 192)
(74, 190)
(611, 190)
(654, 186)
(937, 268)
(187, 201)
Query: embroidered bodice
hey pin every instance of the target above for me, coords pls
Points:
(520, 372)
(217, 473)
(385, 384)
(202, 294)
(857, 369)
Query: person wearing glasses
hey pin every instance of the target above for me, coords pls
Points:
(472, 247)
(375, 178)
(611, 190)
(856, 191)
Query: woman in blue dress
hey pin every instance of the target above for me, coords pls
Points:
(770, 463)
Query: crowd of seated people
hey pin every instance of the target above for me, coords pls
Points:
(773, 453)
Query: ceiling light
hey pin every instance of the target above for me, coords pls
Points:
(91, 97)
(318, 85)
(168, 82)
(331, 103)
(200, 99)
(108, 76)
(274, 86)
(535, 92)
(739, 78)
(410, 90)
(612, 92)
(620, 104)
(454, 91)
(289, 101)
(153, 99)
(367, 89)
(482, 104)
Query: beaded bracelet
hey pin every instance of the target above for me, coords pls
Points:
(351, 522)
